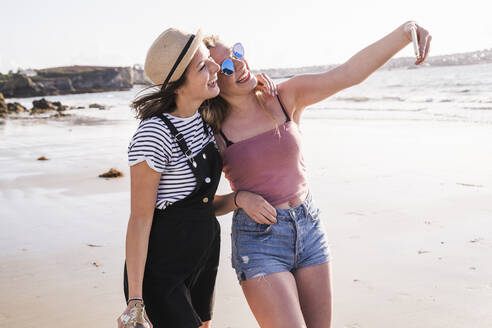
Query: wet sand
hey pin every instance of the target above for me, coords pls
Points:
(407, 206)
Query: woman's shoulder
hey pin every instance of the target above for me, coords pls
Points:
(152, 122)
(286, 95)
(152, 132)
(151, 142)
(153, 126)
(152, 139)
(279, 104)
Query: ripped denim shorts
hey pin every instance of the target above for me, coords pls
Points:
(297, 240)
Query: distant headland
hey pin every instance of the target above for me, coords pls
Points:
(467, 58)
(69, 80)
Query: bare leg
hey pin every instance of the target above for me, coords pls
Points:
(274, 300)
(315, 292)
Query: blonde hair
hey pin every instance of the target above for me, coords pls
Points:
(217, 109)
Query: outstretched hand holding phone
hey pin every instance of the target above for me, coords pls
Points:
(421, 41)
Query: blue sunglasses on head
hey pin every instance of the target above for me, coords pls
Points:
(227, 66)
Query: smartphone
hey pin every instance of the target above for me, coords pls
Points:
(413, 29)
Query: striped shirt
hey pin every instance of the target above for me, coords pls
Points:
(154, 143)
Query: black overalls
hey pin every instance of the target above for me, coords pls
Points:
(183, 251)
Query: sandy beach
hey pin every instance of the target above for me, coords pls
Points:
(407, 205)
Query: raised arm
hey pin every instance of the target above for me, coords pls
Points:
(304, 90)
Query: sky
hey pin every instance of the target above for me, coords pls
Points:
(288, 33)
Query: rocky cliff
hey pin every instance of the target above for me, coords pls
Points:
(65, 80)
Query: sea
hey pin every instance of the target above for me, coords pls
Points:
(462, 93)
(452, 93)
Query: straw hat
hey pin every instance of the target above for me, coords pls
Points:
(170, 54)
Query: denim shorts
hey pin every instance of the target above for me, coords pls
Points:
(297, 240)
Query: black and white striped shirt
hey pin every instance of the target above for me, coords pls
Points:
(154, 143)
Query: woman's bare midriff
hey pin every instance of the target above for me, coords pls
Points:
(296, 201)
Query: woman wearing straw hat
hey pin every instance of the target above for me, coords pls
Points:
(173, 236)
(283, 260)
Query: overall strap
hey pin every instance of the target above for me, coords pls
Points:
(283, 108)
(179, 139)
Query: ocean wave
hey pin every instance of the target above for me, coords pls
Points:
(354, 99)
(366, 99)
(478, 108)
(393, 98)
(461, 84)
(475, 101)
(372, 109)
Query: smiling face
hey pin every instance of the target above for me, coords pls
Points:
(201, 76)
(242, 81)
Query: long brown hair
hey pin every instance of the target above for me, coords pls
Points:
(215, 110)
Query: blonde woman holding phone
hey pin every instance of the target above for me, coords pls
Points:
(282, 260)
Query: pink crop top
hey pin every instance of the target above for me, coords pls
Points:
(268, 164)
